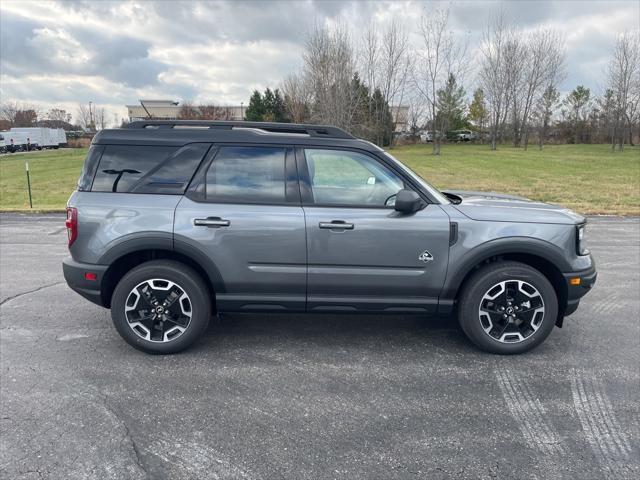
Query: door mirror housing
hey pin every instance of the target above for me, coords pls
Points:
(407, 201)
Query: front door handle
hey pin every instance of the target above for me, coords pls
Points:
(212, 222)
(336, 225)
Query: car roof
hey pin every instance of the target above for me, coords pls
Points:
(182, 132)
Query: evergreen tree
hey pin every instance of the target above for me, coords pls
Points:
(544, 113)
(577, 102)
(268, 102)
(451, 106)
(478, 110)
(279, 108)
(255, 112)
(383, 120)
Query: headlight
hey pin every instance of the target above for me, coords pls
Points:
(581, 244)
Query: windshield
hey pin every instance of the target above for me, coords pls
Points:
(427, 186)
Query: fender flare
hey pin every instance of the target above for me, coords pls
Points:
(164, 241)
(501, 246)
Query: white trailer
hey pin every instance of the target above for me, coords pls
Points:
(15, 141)
(39, 137)
(61, 137)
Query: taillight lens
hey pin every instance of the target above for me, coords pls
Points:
(72, 224)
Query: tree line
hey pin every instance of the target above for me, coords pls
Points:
(354, 83)
(88, 118)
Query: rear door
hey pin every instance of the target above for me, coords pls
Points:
(363, 255)
(243, 214)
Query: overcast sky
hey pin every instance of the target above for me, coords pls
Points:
(114, 53)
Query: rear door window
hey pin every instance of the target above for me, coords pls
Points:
(247, 175)
(148, 169)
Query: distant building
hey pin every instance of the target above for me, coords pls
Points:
(170, 110)
(400, 116)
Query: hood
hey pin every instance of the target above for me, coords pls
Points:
(498, 207)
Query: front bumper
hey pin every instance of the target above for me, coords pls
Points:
(75, 275)
(576, 292)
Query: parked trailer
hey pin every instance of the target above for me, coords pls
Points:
(29, 138)
(39, 137)
(61, 137)
(15, 141)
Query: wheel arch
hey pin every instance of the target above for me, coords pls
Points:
(124, 259)
(543, 256)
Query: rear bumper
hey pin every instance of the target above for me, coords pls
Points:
(576, 292)
(74, 273)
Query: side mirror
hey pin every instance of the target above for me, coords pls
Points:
(407, 201)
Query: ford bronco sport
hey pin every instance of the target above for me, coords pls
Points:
(174, 221)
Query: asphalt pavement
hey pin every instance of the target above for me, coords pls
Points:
(310, 396)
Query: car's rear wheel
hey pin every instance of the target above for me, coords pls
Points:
(161, 306)
(507, 308)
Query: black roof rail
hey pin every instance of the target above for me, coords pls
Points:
(259, 127)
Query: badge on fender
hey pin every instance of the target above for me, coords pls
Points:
(425, 257)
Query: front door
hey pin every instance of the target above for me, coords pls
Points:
(362, 254)
(243, 215)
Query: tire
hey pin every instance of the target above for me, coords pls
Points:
(165, 282)
(482, 317)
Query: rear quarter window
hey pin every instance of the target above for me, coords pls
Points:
(147, 169)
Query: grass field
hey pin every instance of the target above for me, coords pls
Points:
(587, 178)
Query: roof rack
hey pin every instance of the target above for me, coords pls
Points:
(263, 128)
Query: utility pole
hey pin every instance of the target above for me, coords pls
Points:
(90, 117)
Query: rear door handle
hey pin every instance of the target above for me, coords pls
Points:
(336, 225)
(212, 222)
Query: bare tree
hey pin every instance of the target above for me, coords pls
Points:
(440, 55)
(494, 73)
(329, 67)
(543, 70)
(370, 57)
(395, 62)
(19, 114)
(416, 114)
(296, 97)
(514, 57)
(9, 110)
(188, 111)
(100, 116)
(58, 115)
(85, 117)
(624, 76)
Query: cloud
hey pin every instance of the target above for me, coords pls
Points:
(113, 52)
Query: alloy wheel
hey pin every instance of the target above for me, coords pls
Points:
(511, 311)
(158, 310)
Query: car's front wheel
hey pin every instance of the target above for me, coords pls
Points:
(161, 306)
(507, 308)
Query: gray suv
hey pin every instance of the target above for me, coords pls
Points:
(175, 221)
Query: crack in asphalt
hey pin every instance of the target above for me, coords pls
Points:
(18, 295)
(127, 433)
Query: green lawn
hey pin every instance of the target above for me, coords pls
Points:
(54, 174)
(586, 178)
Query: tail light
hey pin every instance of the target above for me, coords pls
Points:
(72, 224)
